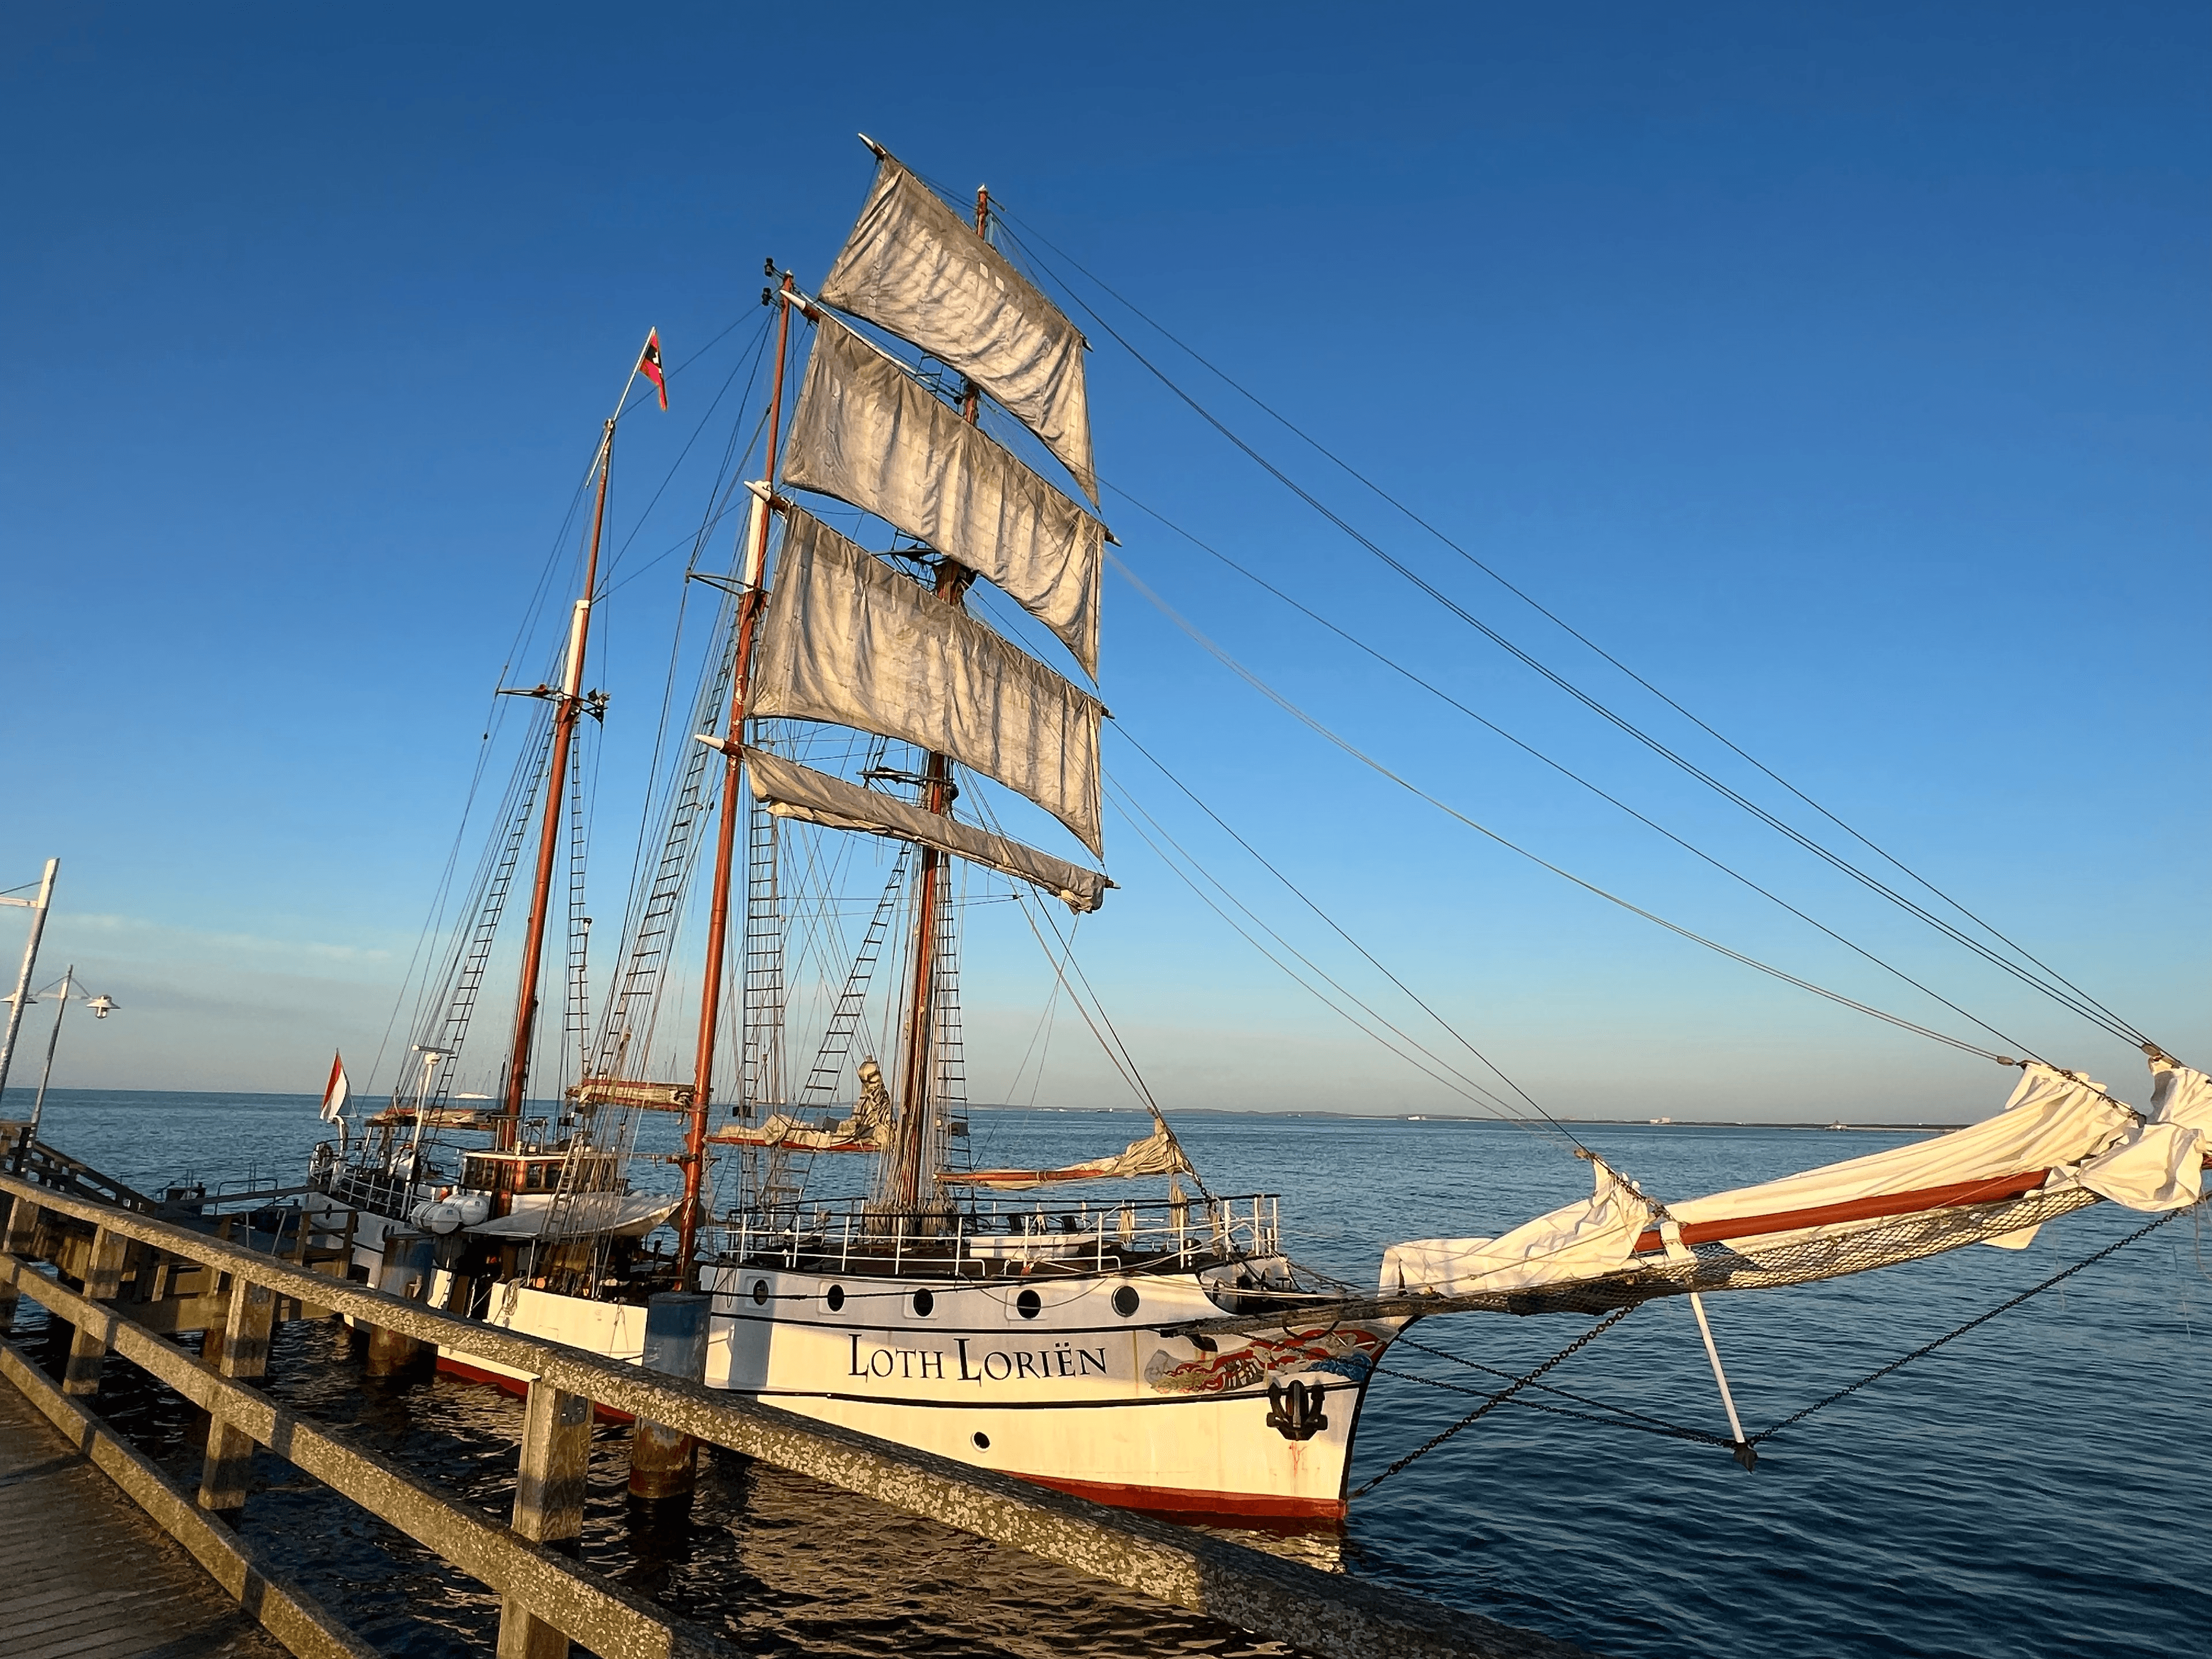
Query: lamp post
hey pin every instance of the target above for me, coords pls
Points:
(37, 907)
(101, 1007)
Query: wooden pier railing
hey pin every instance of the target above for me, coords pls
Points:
(550, 1599)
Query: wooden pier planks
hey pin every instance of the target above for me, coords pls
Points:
(84, 1575)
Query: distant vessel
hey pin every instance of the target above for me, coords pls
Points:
(1162, 1351)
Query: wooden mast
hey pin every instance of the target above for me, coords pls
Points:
(718, 926)
(910, 1172)
(567, 707)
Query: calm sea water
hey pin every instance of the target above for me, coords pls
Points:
(2029, 1490)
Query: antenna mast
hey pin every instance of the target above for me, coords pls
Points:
(568, 706)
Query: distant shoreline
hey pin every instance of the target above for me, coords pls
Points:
(1194, 1111)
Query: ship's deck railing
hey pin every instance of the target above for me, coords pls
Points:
(1081, 1237)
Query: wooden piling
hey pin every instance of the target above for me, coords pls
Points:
(549, 1504)
(405, 1273)
(245, 1354)
(664, 1463)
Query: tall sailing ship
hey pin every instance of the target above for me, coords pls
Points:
(1150, 1344)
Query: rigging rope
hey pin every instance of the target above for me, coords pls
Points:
(1567, 772)
(1304, 898)
(1471, 1090)
(1609, 1415)
(1925, 1349)
(1415, 790)
(1491, 1402)
(2069, 997)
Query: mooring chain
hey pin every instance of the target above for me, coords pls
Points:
(1921, 1353)
(1655, 1425)
(1500, 1397)
(1601, 1412)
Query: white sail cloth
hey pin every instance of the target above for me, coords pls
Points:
(1156, 1154)
(2051, 1120)
(849, 641)
(865, 432)
(630, 1215)
(2158, 1164)
(2179, 1095)
(2057, 1133)
(913, 267)
(791, 791)
(1594, 1236)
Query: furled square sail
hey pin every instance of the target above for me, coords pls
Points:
(847, 639)
(865, 432)
(912, 266)
(791, 791)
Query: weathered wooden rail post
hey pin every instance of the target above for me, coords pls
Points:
(18, 1239)
(548, 1503)
(244, 1354)
(664, 1463)
(103, 1278)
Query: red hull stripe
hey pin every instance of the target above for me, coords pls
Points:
(1987, 1191)
(1174, 1501)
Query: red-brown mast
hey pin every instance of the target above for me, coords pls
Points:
(906, 1189)
(567, 707)
(718, 925)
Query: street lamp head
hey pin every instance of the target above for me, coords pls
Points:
(102, 1007)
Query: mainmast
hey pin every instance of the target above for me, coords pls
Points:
(718, 926)
(910, 1174)
(567, 707)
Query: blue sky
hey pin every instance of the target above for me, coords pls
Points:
(1842, 370)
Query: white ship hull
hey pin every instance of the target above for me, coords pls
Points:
(1075, 1394)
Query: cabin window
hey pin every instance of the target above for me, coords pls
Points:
(1028, 1305)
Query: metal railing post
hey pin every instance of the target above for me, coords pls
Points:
(548, 1503)
(103, 1275)
(244, 1354)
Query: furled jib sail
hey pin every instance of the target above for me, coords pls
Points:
(791, 791)
(849, 641)
(913, 267)
(2060, 1141)
(865, 432)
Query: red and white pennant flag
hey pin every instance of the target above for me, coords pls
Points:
(336, 1091)
(648, 364)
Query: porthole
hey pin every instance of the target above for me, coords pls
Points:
(836, 1298)
(923, 1302)
(1028, 1305)
(982, 1441)
(760, 1292)
(1126, 1300)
